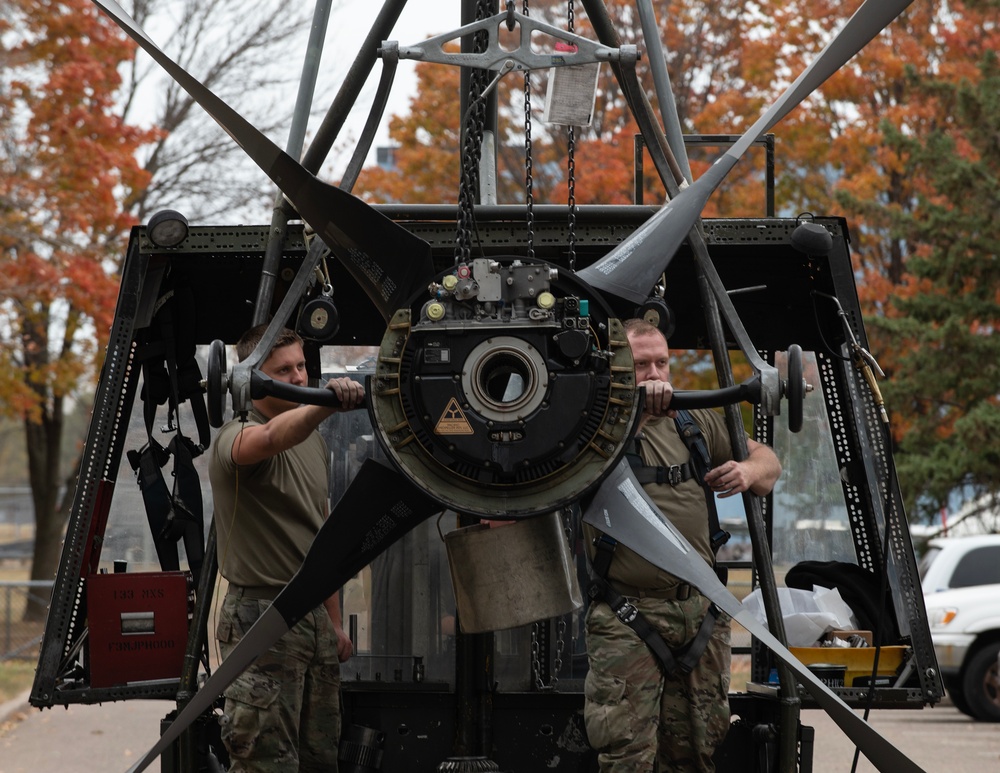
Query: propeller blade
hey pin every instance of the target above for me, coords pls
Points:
(622, 510)
(389, 262)
(631, 269)
(378, 508)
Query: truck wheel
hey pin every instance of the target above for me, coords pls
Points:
(981, 684)
(953, 686)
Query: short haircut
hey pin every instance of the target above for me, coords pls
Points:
(640, 327)
(249, 340)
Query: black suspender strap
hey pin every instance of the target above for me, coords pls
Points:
(602, 557)
(672, 475)
(692, 651)
(701, 460)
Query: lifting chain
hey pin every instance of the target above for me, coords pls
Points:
(528, 181)
(557, 658)
(571, 168)
(536, 661)
(557, 662)
(472, 145)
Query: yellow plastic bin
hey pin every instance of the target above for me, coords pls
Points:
(858, 660)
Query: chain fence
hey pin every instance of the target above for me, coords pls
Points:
(19, 638)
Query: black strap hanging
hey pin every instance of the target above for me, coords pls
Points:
(697, 466)
(171, 376)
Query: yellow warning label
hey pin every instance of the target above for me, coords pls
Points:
(453, 421)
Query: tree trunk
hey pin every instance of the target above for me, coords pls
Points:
(44, 440)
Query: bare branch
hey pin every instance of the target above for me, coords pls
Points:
(247, 54)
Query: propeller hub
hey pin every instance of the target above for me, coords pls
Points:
(509, 393)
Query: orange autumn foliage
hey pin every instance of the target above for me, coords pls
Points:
(66, 163)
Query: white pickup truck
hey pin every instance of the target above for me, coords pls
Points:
(960, 578)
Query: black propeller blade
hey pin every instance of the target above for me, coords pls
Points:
(622, 510)
(378, 508)
(389, 262)
(631, 269)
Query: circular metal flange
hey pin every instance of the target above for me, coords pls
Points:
(505, 379)
(319, 319)
(505, 416)
(658, 314)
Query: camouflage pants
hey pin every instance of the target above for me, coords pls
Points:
(283, 713)
(636, 716)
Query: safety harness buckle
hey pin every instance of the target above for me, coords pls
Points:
(673, 475)
(626, 612)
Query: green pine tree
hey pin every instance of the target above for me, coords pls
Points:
(944, 319)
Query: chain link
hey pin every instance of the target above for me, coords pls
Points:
(571, 188)
(557, 662)
(528, 180)
(557, 659)
(571, 168)
(561, 628)
(472, 145)
(536, 663)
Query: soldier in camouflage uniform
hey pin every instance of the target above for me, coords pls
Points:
(636, 715)
(270, 484)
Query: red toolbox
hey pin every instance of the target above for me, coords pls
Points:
(138, 626)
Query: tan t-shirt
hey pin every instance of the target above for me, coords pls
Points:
(684, 504)
(267, 514)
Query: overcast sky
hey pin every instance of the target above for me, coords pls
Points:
(350, 22)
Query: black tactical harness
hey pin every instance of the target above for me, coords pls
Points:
(697, 466)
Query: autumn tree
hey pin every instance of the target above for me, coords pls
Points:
(425, 163)
(892, 113)
(94, 141)
(66, 157)
(947, 310)
(872, 145)
(717, 75)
